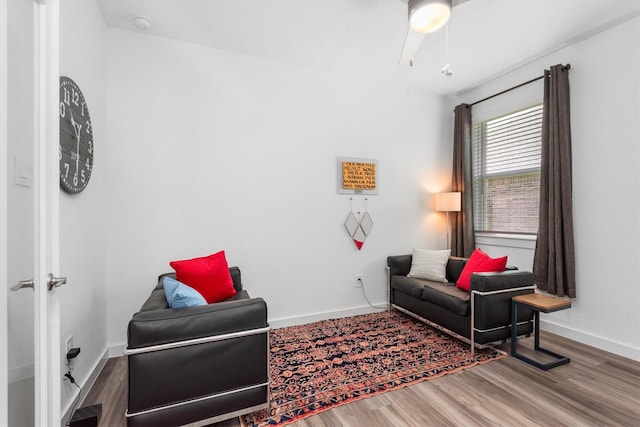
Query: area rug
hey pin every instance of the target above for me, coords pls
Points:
(321, 365)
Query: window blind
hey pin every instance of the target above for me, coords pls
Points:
(513, 142)
(506, 172)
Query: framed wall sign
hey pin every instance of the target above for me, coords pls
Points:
(357, 175)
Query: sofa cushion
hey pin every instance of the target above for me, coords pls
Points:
(454, 268)
(156, 301)
(233, 271)
(180, 295)
(240, 295)
(399, 265)
(208, 275)
(408, 285)
(429, 264)
(479, 262)
(446, 296)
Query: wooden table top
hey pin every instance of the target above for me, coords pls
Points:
(544, 303)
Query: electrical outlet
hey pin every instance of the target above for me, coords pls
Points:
(358, 280)
(69, 343)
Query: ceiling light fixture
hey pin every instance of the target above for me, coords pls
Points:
(427, 16)
(142, 23)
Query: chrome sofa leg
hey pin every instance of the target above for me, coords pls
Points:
(473, 325)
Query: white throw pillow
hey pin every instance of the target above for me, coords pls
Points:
(430, 265)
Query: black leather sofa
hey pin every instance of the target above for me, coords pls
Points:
(197, 364)
(479, 317)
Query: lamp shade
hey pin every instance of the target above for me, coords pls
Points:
(427, 16)
(448, 202)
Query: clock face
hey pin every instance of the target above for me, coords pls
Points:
(76, 138)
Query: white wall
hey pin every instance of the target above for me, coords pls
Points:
(605, 108)
(210, 150)
(83, 300)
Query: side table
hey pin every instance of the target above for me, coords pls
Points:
(538, 303)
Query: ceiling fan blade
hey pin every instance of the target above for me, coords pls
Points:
(414, 39)
(455, 3)
(411, 44)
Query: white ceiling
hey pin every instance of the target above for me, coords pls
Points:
(486, 37)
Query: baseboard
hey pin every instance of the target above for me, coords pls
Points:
(117, 350)
(602, 343)
(315, 317)
(86, 383)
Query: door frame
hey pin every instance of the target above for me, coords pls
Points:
(47, 209)
(4, 286)
(46, 213)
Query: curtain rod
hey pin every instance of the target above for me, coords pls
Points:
(566, 67)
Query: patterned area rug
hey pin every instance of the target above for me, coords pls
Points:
(321, 365)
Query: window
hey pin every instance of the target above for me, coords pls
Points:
(506, 172)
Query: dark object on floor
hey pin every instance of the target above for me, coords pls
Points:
(450, 309)
(88, 416)
(191, 364)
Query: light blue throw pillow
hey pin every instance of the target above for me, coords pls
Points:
(180, 295)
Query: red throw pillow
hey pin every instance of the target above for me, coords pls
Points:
(208, 275)
(479, 262)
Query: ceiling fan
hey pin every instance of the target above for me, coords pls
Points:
(425, 16)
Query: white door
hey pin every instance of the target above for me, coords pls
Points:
(29, 192)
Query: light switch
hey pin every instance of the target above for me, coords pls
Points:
(22, 172)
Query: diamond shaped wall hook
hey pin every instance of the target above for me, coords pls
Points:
(358, 230)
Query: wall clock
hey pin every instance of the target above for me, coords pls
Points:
(76, 138)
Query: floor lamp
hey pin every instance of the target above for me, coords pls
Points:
(448, 202)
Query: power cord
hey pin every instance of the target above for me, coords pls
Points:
(70, 378)
(71, 354)
(364, 293)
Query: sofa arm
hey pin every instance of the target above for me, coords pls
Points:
(399, 265)
(492, 293)
(150, 328)
(487, 282)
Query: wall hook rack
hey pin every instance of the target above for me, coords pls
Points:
(358, 228)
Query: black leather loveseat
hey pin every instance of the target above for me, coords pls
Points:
(480, 317)
(197, 364)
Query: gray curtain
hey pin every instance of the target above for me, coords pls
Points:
(554, 259)
(463, 240)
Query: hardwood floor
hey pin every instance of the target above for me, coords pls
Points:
(596, 389)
